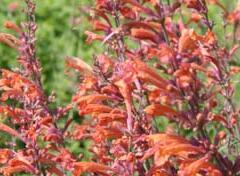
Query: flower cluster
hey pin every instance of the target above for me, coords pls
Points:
(154, 66)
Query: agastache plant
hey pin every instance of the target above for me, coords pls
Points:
(154, 66)
(26, 108)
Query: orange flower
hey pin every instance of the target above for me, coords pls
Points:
(99, 26)
(188, 40)
(125, 90)
(149, 75)
(5, 155)
(81, 167)
(79, 65)
(104, 62)
(92, 36)
(105, 118)
(15, 85)
(9, 40)
(128, 13)
(195, 4)
(54, 170)
(11, 131)
(12, 26)
(103, 133)
(159, 110)
(195, 17)
(83, 101)
(195, 167)
(95, 109)
(144, 34)
(164, 146)
(181, 151)
(135, 3)
(164, 53)
(17, 165)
